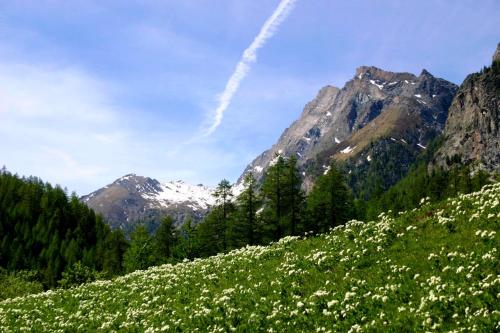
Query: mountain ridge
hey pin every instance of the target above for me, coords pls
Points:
(134, 198)
(328, 124)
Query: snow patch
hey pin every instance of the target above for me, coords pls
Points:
(421, 146)
(199, 196)
(328, 114)
(237, 189)
(347, 150)
(393, 139)
(326, 170)
(403, 140)
(369, 158)
(418, 95)
(380, 86)
(337, 140)
(258, 168)
(393, 83)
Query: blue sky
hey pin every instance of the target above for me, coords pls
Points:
(93, 90)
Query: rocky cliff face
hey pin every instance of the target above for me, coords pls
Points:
(375, 109)
(472, 134)
(133, 199)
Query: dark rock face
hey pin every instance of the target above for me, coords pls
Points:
(472, 134)
(347, 124)
(496, 55)
(132, 199)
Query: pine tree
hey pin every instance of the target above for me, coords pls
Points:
(164, 240)
(293, 195)
(329, 203)
(140, 253)
(273, 190)
(248, 202)
(223, 195)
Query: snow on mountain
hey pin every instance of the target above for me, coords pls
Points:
(198, 196)
(131, 199)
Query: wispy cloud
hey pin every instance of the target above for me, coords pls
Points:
(248, 58)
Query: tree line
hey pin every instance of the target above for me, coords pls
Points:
(49, 239)
(261, 214)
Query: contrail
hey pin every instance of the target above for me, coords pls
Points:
(248, 58)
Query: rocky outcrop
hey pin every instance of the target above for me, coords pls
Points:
(347, 124)
(472, 134)
(134, 199)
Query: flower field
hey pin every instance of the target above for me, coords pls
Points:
(435, 268)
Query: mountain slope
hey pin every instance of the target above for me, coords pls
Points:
(352, 123)
(472, 131)
(134, 198)
(430, 269)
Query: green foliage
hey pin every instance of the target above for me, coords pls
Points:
(246, 220)
(164, 241)
(140, 253)
(18, 284)
(434, 268)
(419, 184)
(78, 274)
(329, 203)
(283, 199)
(42, 229)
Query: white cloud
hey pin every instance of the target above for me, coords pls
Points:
(249, 57)
(62, 124)
(57, 123)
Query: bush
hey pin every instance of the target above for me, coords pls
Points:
(14, 284)
(78, 274)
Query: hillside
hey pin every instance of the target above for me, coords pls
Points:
(435, 268)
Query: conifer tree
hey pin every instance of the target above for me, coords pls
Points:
(140, 253)
(248, 203)
(293, 195)
(164, 240)
(223, 195)
(329, 203)
(273, 190)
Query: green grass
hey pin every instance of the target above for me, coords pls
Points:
(435, 268)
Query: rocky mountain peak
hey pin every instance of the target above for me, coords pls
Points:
(345, 123)
(375, 73)
(472, 131)
(133, 198)
(496, 55)
(425, 73)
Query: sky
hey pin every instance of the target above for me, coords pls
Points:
(93, 90)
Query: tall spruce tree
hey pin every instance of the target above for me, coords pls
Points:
(140, 253)
(273, 191)
(223, 195)
(329, 203)
(164, 240)
(248, 203)
(293, 196)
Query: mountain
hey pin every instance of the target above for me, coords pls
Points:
(472, 131)
(134, 198)
(377, 115)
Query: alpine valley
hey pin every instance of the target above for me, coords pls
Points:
(374, 127)
(377, 210)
